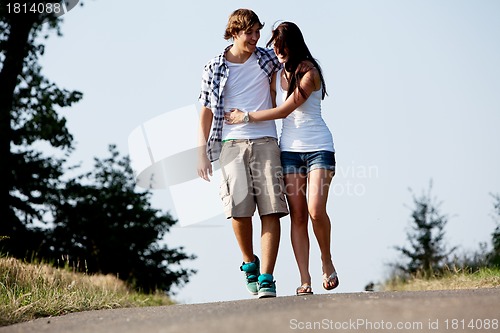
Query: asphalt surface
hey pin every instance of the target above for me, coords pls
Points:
(475, 310)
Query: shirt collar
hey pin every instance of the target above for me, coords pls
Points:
(222, 56)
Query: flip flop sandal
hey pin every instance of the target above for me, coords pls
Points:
(328, 280)
(304, 289)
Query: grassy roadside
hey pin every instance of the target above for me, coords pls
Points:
(460, 279)
(30, 291)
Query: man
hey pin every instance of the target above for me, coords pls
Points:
(248, 153)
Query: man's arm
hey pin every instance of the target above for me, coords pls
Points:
(273, 89)
(204, 165)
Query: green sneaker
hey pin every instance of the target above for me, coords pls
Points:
(267, 286)
(252, 272)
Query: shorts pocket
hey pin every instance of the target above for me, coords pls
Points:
(224, 193)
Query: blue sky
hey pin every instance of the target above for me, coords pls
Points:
(413, 96)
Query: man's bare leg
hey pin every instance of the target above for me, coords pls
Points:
(242, 227)
(270, 239)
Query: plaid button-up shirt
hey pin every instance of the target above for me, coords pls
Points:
(214, 78)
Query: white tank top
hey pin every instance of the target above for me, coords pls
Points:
(247, 89)
(304, 130)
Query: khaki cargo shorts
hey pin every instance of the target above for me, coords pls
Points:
(252, 177)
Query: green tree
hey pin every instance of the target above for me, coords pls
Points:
(95, 219)
(28, 115)
(102, 222)
(427, 251)
(494, 256)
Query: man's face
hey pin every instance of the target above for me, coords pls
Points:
(246, 40)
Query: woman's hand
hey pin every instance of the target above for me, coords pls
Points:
(234, 117)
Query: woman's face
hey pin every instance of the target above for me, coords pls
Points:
(282, 58)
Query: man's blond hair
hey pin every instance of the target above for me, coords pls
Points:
(241, 19)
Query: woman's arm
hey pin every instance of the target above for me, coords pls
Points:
(309, 83)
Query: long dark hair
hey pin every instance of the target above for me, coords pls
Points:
(288, 40)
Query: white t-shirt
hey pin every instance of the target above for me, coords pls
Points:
(247, 89)
(304, 130)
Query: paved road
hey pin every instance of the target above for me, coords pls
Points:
(431, 311)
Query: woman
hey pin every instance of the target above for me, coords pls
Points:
(307, 151)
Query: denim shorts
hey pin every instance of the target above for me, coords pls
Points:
(303, 163)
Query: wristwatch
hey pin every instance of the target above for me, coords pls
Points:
(246, 117)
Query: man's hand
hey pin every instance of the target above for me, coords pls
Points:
(204, 168)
